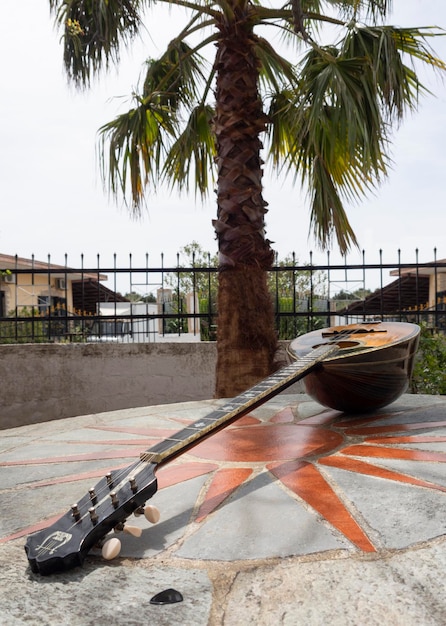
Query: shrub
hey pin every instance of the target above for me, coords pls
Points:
(429, 374)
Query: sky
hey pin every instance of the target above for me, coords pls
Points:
(51, 197)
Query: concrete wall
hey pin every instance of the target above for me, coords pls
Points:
(41, 382)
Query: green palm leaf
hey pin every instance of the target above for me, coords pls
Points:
(329, 115)
(94, 31)
(334, 136)
(275, 71)
(356, 8)
(176, 76)
(384, 48)
(193, 153)
(137, 144)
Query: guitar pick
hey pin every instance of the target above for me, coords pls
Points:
(168, 596)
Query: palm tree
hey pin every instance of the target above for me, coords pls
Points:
(324, 112)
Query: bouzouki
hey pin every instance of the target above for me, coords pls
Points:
(121, 493)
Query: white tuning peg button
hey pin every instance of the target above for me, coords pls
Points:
(132, 530)
(111, 549)
(152, 514)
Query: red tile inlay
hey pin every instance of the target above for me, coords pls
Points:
(306, 481)
(88, 456)
(267, 442)
(223, 484)
(291, 449)
(160, 433)
(393, 428)
(283, 416)
(31, 529)
(247, 420)
(174, 474)
(361, 467)
(58, 480)
(409, 439)
(395, 453)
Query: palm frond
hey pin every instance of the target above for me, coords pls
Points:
(281, 130)
(93, 33)
(138, 142)
(176, 76)
(332, 171)
(325, 181)
(328, 217)
(340, 111)
(275, 70)
(331, 134)
(413, 41)
(355, 9)
(193, 153)
(329, 115)
(384, 47)
(142, 142)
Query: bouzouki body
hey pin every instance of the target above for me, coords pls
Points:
(372, 368)
(377, 359)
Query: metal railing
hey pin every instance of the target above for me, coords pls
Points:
(123, 302)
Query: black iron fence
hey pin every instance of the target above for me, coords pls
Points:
(123, 302)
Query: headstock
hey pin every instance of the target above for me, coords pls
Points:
(105, 507)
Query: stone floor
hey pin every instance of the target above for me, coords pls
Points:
(295, 514)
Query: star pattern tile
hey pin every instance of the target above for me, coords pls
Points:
(301, 456)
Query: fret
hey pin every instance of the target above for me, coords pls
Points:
(236, 407)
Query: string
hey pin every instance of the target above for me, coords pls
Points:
(121, 477)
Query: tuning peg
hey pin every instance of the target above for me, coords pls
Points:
(111, 549)
(132, 530)
(93, 496)
(109, 479)
(127, 528)
(75, 512)
(93, 515)
(152, 514)
(133, 485)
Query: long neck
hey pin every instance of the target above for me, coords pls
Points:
(237, 407)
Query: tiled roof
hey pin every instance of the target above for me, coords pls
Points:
(407, 292)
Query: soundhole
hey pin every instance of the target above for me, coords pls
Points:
(342, 343)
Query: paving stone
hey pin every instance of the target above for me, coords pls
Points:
(267, 525)
(295, 515)
(100, 595)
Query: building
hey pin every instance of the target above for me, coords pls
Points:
(47, 302)
(418, 292)
(28, 285)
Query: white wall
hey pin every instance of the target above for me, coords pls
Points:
(41, 382)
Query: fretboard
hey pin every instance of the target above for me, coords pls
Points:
(221, 417)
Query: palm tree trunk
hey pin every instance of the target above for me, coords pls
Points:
(247, 340)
